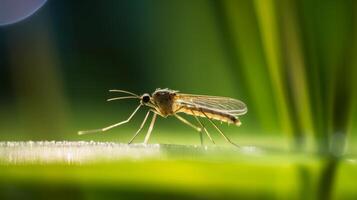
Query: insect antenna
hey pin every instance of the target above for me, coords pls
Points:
(123, 91)
(126, 97)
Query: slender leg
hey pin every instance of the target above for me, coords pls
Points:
(219, 130)
(187, 122)
(203, 127)
(191, 125)
(111, 126)
(150, 128)
(141, 127)
(201, 137)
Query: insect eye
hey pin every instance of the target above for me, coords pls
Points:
(146, 98)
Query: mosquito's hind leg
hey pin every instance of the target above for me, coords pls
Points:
(141, 127)
(203, 127)
(191, 125)
(201, 137)
(220, 131)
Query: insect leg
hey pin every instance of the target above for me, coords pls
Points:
(150, 128)
(219, 130)
(154, 111)
(201, 137)
(187, 122)
(111, 126)
(141, 127)
(191, 125)
(203, 127)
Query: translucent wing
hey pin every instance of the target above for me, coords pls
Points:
(221, 104)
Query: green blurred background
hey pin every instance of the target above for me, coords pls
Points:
(293, 62)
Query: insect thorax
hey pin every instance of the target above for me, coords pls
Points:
(164, 99)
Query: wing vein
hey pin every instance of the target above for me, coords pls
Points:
(220, 104)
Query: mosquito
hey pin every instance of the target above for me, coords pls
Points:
(167, 102)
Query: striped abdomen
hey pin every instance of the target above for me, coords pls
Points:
(210, 113)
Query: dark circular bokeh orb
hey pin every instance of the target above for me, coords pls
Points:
(12, 11)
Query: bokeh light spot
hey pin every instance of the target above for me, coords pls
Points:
(12, 11)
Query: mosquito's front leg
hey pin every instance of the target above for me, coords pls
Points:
(111, 126)
(141, 127)
(150, 128)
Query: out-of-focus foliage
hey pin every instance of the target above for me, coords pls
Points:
(292, 62)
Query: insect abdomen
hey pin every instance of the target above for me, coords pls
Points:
(212, 114)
